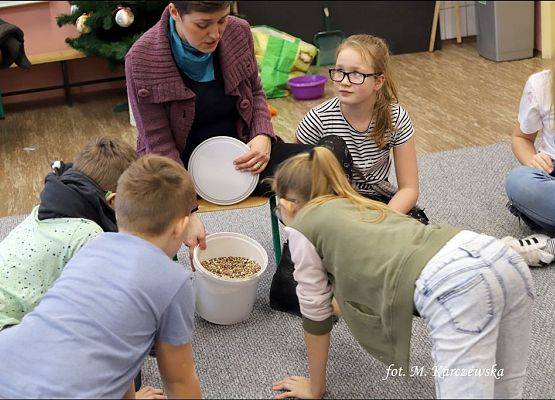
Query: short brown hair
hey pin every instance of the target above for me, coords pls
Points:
(104, 160)
(187, 7)
(152, 193)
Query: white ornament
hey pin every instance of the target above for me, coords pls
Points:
(124, 17)
(73, 9)
(80, 24)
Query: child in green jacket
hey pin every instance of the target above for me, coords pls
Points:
(473, 292)
(75, 207)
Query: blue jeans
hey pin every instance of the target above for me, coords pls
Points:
(532, 193)
(475, 296)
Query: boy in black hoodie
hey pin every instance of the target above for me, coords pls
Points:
(76, 206)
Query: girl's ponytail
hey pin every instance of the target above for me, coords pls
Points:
(316, 177)
(330, 182)
(328, 177)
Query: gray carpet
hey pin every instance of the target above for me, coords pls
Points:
(463, 188)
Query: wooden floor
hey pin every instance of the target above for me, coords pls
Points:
(454, 97)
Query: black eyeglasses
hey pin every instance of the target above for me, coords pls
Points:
(356, 78)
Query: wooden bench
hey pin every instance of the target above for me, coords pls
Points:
(62, 57)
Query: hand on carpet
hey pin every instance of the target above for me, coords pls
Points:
(294, 386)
(148, 392)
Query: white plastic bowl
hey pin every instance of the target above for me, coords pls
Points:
(226, 301)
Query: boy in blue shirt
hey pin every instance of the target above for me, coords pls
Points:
(117, 297)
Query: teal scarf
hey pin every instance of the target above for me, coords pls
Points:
(196, 65)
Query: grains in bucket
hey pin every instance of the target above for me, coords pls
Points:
(231, 267)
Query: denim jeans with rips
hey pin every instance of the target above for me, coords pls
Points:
(475, 296)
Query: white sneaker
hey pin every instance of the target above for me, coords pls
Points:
(537, 250)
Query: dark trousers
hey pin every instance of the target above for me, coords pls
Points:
(281, 151)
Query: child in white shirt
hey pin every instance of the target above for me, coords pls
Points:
(531, 187)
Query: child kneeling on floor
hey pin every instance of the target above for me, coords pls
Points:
(75, 207)
(117, 296)
(474, 293)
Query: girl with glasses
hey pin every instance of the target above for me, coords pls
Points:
(366, 115)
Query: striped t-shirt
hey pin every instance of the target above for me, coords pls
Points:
(371, 164)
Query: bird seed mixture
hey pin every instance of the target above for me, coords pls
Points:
(231, 267)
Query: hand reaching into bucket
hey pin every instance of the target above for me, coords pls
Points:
(194, 235)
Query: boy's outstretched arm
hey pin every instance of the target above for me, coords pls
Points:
(177, 369)
(313, 388)
(195, 234)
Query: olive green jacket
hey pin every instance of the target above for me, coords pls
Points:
(373, 267)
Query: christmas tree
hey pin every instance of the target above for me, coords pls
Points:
(109, 28)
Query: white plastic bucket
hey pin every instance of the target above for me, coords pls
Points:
(227, 301)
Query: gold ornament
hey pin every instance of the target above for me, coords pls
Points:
(80, 24)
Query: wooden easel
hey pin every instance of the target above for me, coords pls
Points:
(436, 18)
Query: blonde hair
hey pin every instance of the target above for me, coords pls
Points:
(375, 53)
(152, 193)
(318, 177)
(104, 160)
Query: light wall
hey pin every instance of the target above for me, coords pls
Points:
(548, 29)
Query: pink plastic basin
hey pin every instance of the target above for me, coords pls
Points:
(307, 87)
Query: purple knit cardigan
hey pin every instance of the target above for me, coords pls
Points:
(164, 108)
